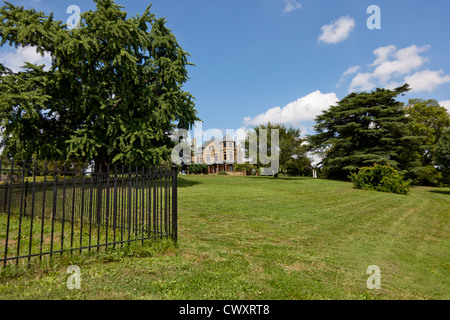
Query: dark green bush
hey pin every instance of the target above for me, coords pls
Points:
(380, 178)
(427, 176)
(248, 168)
(198, 168)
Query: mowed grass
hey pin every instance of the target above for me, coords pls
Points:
(265, 238)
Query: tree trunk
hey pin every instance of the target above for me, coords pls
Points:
(100, 162)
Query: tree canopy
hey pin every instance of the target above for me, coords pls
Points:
(113, 93)
(442, 155)
(364, 129)
(291, 149)
(428, 120)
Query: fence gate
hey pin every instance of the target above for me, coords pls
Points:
(50, 210)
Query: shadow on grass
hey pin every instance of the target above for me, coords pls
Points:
(184, 183)
(440, 191)
(45, 266)
(278, 178)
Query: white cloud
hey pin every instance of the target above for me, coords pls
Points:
(362, 81)
(403, 61)
(351, 70)
(426, 80)
(446, 104)
(15, 60)
(291, 5)
(382, 54)
(304, 109)
(392, 67)
(338, 30)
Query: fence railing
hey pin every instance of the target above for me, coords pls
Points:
(49, 211)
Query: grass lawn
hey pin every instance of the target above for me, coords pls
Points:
(265, 238)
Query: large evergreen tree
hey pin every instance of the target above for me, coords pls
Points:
(113, 93)
(364, 129)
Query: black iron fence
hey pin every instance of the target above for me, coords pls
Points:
(49, 211)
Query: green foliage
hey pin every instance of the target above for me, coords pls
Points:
(300, 166)
(198, 168)
(442, 156)
(427, 176)
(222, 173)
(247, 167)
(292, 152)
(364, 129)
(113, 93)
(380, 178)
(428, 120)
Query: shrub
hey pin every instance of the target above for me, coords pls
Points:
(427, 176)
(198, 168)
(223, 173)
(380, 178)
(248, 168)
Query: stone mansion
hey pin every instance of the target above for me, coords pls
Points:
(221, 155)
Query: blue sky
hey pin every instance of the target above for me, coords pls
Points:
(287, 60)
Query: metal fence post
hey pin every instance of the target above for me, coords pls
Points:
(135, 195)
(26, 198)
(54, 207)
(99, 196)
(174, 204)
(6, 196)
(9, 215)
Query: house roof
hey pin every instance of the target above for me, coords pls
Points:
(226, 138)
(205, 144)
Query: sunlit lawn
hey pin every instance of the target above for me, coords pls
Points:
(265, 238)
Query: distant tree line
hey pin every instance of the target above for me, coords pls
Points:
(369, 128)
(366, 129)
(292, 149)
